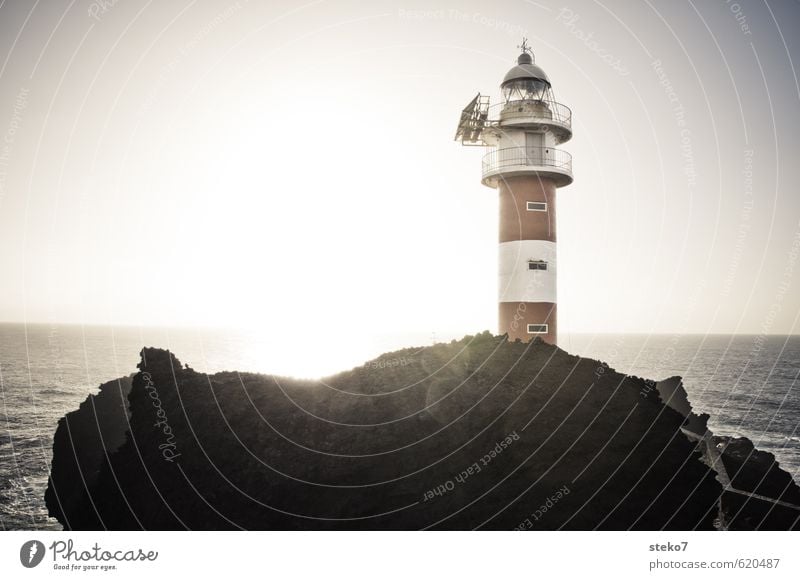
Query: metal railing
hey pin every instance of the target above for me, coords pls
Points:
(544, 110)
(527, 156)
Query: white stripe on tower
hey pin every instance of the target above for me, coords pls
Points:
(527, 271)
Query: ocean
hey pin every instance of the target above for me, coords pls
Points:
(747, 384)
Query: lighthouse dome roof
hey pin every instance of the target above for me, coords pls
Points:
(525, 70)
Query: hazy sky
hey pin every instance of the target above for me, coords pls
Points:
(291, 167)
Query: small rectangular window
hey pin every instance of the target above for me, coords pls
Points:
(537, 206)
(537, 265)
(537, 329)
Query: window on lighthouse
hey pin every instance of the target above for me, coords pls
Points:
(525, 89)
(537, 206)
(537, 329)
(537, 265)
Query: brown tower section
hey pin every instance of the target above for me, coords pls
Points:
(514, 318)
(518, 223)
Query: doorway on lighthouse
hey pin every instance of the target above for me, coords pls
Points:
(534, 148)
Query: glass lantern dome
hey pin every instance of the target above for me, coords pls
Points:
(525, 82)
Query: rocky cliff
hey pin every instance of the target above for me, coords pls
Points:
(83, 441)
(479, 433)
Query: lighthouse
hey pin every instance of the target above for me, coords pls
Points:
(522, 135)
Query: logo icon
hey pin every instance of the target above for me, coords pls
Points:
(31, 553)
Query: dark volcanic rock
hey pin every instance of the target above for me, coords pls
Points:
(758, 494)
(82, 442)
(757, 472)
(479, 433)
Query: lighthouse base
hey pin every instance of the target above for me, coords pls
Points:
(526, 320)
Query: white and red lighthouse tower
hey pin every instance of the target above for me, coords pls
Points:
(523, 162)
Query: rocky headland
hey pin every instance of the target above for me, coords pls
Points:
(480, 433)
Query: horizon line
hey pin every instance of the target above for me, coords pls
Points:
(211, 327)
